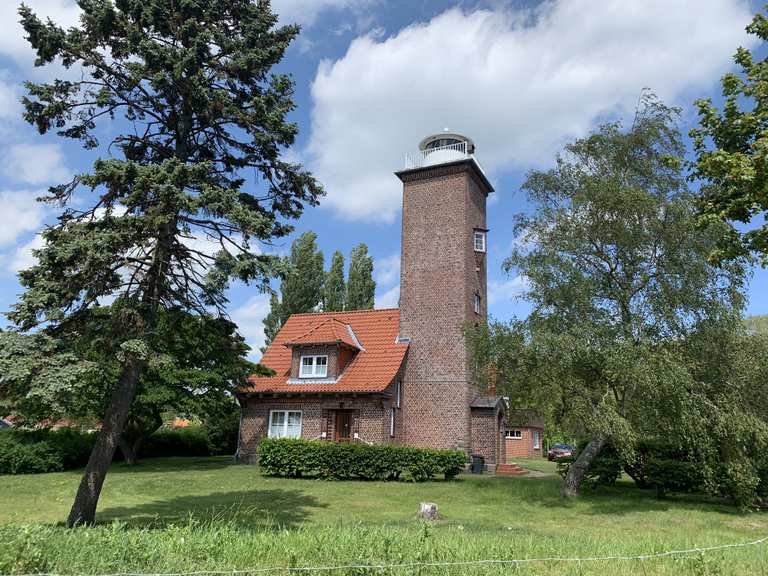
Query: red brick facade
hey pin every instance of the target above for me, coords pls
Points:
(431, 392)
(524, 447)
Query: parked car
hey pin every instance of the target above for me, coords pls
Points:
(4, 424)
(558, 451)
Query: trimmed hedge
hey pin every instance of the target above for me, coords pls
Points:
(329, 460)
(190, 441)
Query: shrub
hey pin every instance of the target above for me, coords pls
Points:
(189, 441)
(295, 458)
(19, 457)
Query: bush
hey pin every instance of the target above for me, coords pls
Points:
(19, 457)
(189, 441)
(295, 458)
(604, 470)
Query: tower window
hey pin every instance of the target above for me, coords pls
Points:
(477, 304)
(480, 240)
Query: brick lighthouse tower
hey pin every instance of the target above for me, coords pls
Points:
(443, 286)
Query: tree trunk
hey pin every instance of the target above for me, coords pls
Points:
(578, 469)
(84, 508)
(129, 454)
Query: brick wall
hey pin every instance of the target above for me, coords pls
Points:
(488, 436)
(440, 273)
(523, 447)
(371, 419)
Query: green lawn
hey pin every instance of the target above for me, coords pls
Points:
(175, 515)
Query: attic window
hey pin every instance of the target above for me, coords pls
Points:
(314, 367)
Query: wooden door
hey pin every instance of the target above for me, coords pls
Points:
(343, 426)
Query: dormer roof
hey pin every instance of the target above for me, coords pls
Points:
(374, 333)
(330, 331)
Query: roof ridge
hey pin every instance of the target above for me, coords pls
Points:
(367, 311)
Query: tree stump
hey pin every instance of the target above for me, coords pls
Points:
(428, 511)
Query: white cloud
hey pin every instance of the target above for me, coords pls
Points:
(506, 290)
(12, 36)
(306, 12)
(520, 82)
(249, 319)
(36, 164)
(387, 270)
(20, 213)
(23, 258)
(389, 299)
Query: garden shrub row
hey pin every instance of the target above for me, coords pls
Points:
(329, 460)
(44, 450)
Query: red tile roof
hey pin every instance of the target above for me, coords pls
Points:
(372, 369)
(330, 331)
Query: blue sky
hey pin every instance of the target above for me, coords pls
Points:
(373, 77)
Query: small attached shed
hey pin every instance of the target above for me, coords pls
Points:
(524, 434)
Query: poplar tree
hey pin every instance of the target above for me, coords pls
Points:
(335, 290)
(360, 285)
(302, 286)
(170, 215)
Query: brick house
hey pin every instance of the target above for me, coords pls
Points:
(524, 434)
(396, 375)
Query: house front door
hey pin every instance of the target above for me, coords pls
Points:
(343, 426)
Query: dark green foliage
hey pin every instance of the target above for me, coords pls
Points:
(189, 441)
(18, 456)
(221, 430)
(335, 290)
(340, 461)
(360, 286)
(604, 470)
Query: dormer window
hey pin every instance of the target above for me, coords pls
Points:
(314, 367)
(480, 238)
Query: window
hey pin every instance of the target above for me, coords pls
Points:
(480, 240)
(536, 440)
(397, 393)
(514, 434)
(477, 304)
(314, 366)
(284, 424)
(392, 422)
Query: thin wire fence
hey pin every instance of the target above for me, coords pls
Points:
(414, 565)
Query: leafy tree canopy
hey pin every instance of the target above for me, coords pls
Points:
(731, 146)
(361, 286)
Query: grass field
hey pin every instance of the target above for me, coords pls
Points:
(179, 515)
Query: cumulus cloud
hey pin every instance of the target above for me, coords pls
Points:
(387, 270)
(23, 258)
(35, 164)
(519, 81)
(21, 213)
(389, 299)
(249, 319)
(506, 290)
(12, 36)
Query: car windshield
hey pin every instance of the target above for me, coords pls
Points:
(561, 447)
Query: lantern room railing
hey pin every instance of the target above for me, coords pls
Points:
(440, 155)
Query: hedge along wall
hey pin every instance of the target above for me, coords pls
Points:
(295, 458)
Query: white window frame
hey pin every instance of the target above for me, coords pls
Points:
(314, 365)
(481, 235)
(510, 434)
(392, 422)
(477, 304)
(536, 440)
(398, 392)
(285, 423)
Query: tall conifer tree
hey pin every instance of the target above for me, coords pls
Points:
(360, 286)
(335, 291)
(171, 216)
